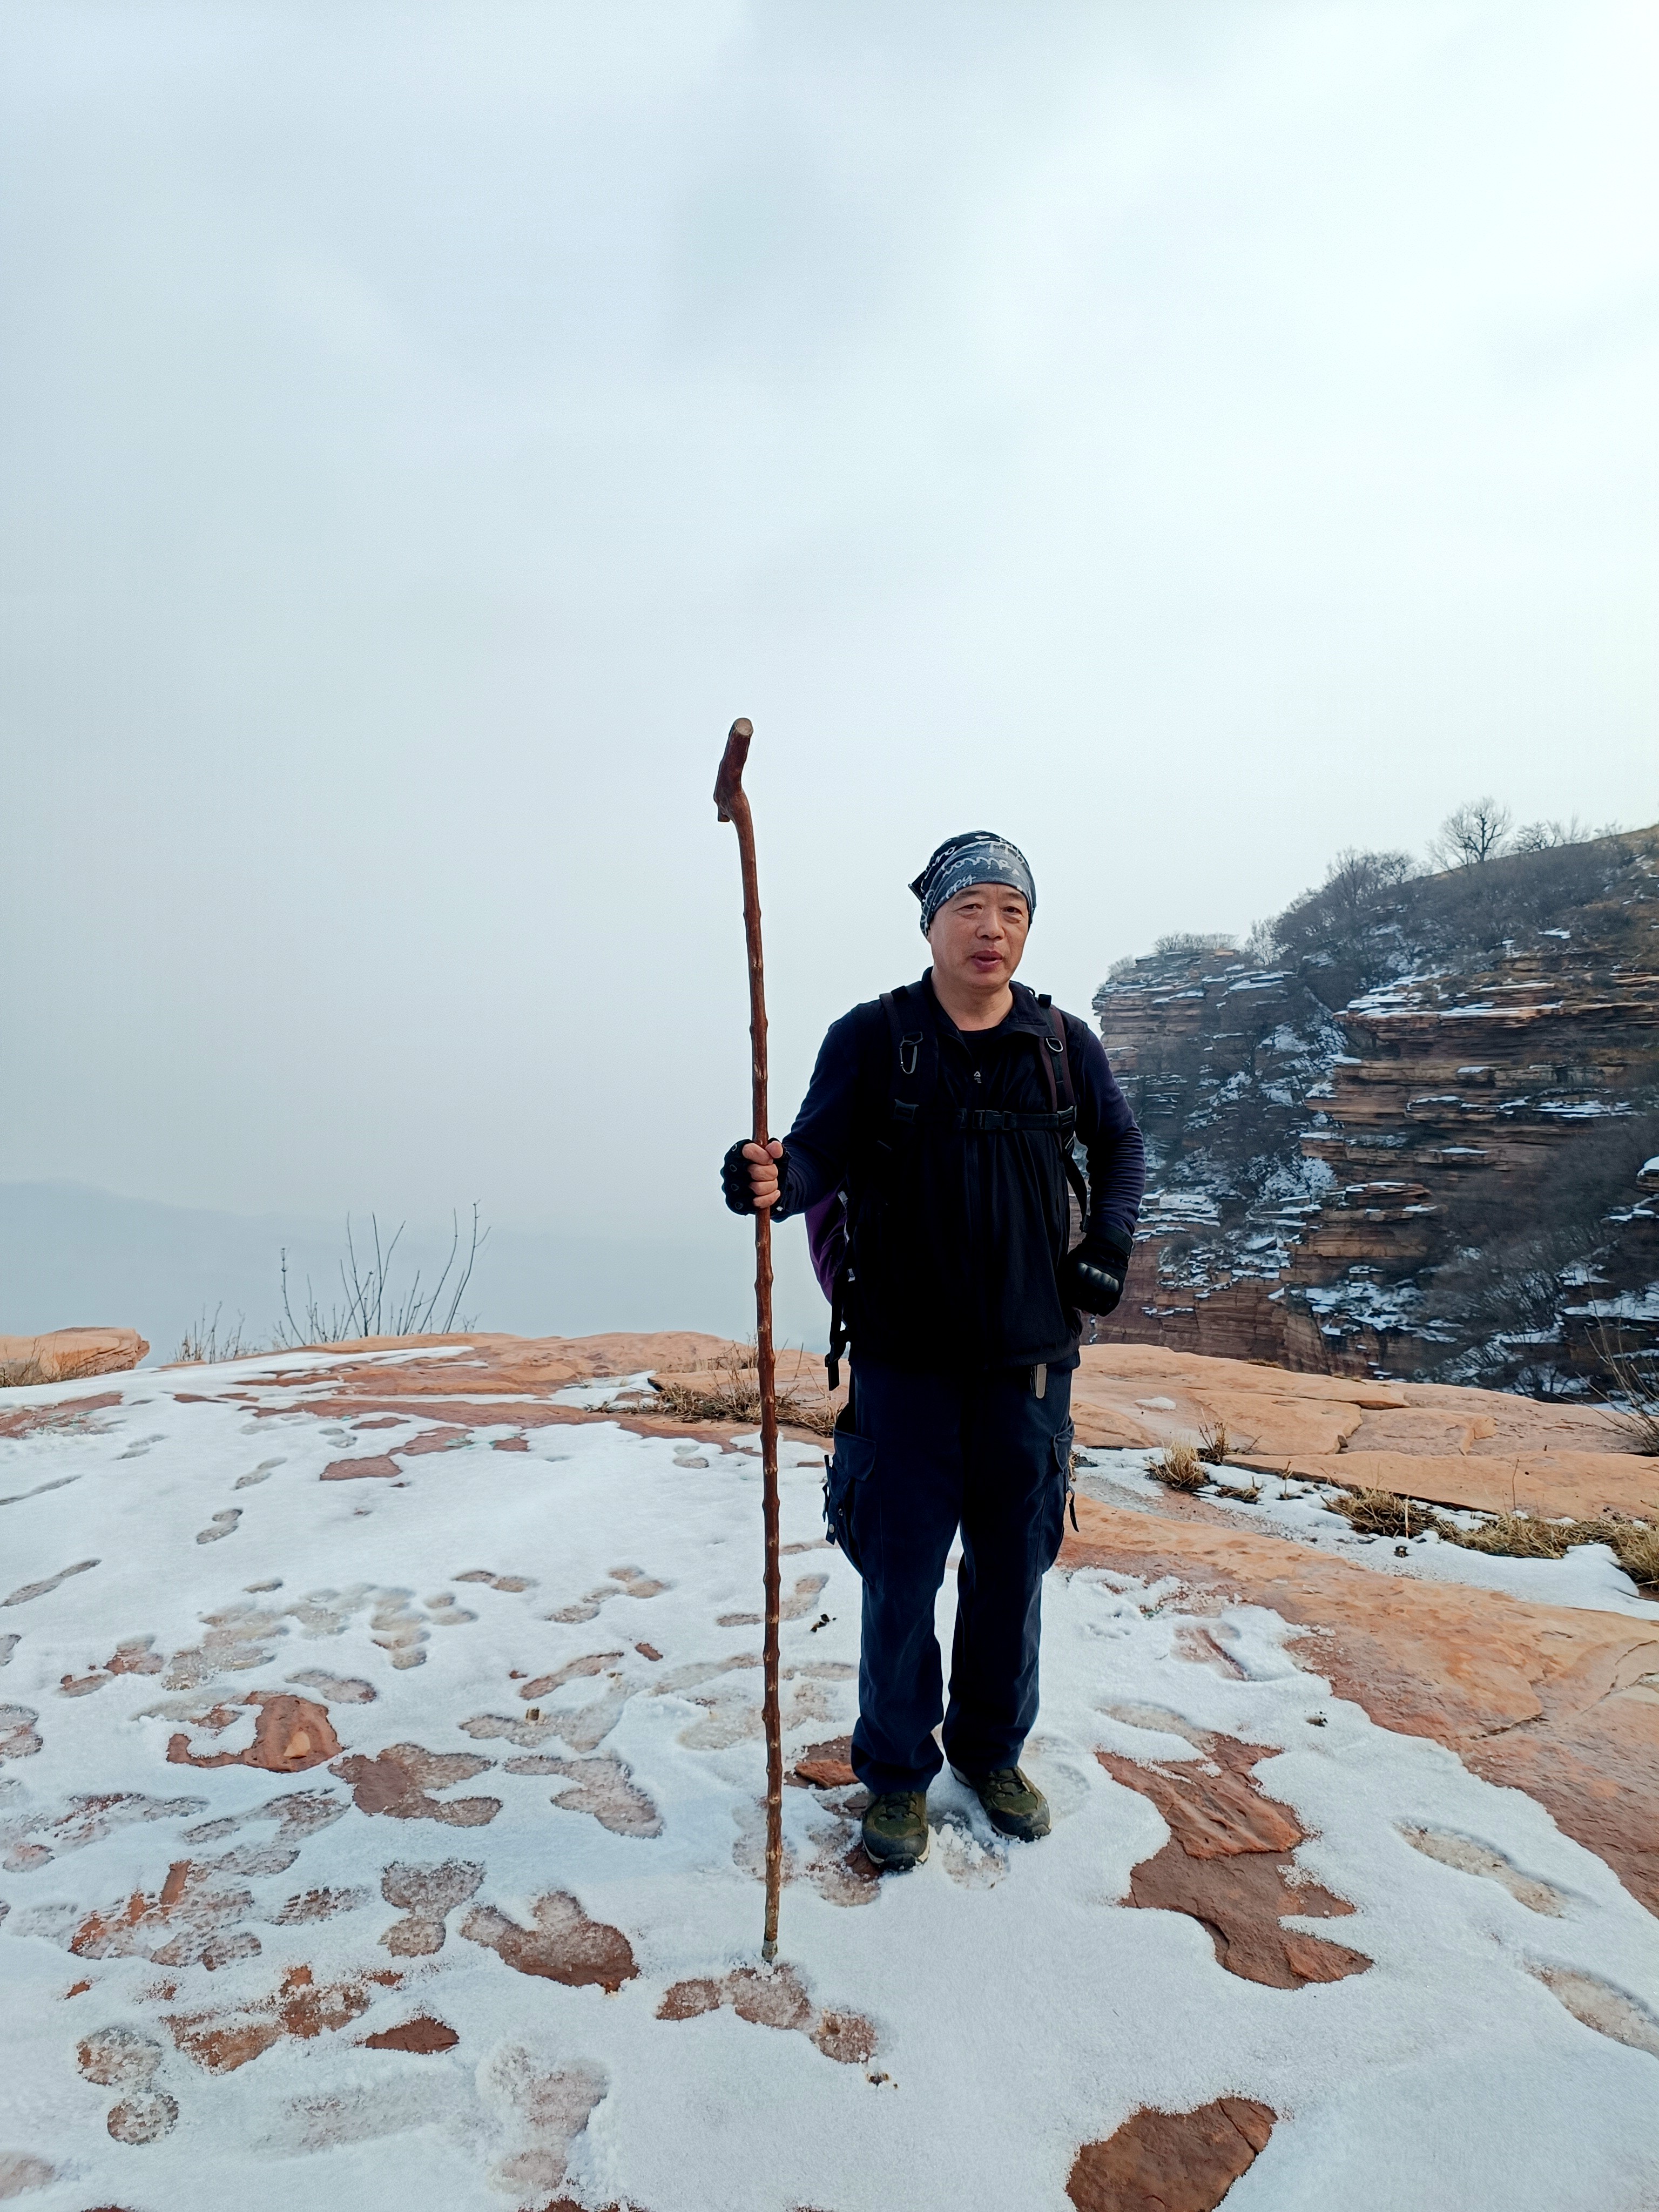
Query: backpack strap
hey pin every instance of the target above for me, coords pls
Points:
(916, 1058)
(913, 1077)
(1057, 1067)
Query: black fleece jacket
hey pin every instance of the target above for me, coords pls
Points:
(958, 1233)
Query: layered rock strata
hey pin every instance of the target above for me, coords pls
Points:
(1450, 1174)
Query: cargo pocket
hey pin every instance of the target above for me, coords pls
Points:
(844, 1476)
(1064, 1452)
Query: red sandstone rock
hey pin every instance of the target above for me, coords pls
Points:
(563, 1946)
(220, 2042)
(1171, 2161)
(68, 1355)
(398, 1781)
(827, 1765)
(826, 1773)
(421, 2034)
(289, 1735)
(1226, 1865)
(187, 1922)
(775, 1998)
(1464, 1667)
(1451, 1445)
(76, 1413)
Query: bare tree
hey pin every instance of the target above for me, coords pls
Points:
(1193, 943)
(1545, 836)
(1472, 834)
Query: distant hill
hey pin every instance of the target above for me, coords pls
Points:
(1406, 1130)
(72, 1255)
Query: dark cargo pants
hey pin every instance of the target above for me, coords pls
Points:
(926, 1455)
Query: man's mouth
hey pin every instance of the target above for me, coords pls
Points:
(987, 960)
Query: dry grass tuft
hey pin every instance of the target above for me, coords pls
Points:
(1178, 1467)
(1381, 1513)
(731, 1395)
(1635, 1544)
(1520, 1536)
(20, 1374)
(1241, 1493)
(1216, 1447)
(1637, 1547)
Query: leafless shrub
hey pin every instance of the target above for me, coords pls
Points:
(20, 1374)
(1546, 836)
(1631, 1393)
(1178, 1467)
(1195, 944)
(1215, 1445)
(204, 1342)
(373, 1307)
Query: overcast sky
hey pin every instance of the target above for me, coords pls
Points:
(1191, 438)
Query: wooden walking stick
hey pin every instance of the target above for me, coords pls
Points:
(732, 805)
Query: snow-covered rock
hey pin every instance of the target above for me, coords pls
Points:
(380, 1820)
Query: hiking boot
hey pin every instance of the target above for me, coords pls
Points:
(895, 1833)
(1013, 1805)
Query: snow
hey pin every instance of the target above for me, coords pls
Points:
(1019, 2006)
(1629, 1305)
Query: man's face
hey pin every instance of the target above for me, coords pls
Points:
(978, 937)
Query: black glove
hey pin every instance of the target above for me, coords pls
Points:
(734, 1179)
(1091, 1278)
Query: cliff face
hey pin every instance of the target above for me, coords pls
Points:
(1442, 1175)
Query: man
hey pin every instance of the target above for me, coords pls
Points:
(944, 1112)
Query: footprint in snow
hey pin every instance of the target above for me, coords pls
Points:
(546, 2107)
(1467, 1856)
(32, 1591)
(972, 1861)
(625, 1582)
(223, 1524)
(123, 2058)
(427, 1895)
(1611, 2012)
(18, 1738)
(798, 1602)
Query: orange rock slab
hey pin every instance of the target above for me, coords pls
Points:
(66, 1355)
(1483, 1449)
(1171, 2161)
(1557, 1701)
(289, 1735)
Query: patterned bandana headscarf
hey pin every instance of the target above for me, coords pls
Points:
(977, 856)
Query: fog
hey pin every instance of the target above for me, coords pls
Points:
(1190, 437)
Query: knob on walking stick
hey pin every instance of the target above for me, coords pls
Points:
(732, 804)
